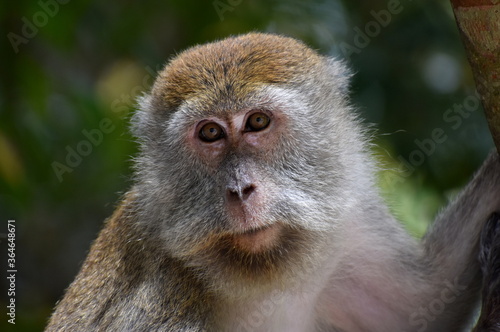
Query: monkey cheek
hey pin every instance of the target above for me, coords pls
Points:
(258, 240)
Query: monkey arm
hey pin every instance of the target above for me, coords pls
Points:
(452, 242)
(450, 251)
(389, 282)
(490, 265)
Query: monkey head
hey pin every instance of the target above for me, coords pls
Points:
(243, 167)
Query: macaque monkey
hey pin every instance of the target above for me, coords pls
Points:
(255, 208)
(489, 258)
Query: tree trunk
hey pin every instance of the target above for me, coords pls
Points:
(479, 25)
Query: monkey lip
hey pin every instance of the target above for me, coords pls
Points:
(258, 239)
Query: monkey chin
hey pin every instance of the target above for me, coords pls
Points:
(270, 256)
(259, 239)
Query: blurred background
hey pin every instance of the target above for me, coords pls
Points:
(70, 71)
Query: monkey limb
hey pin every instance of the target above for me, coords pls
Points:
(490, 265)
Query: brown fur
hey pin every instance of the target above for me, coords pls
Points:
(119, 260)
(210, 71)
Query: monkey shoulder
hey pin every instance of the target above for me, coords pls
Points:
(128, 284)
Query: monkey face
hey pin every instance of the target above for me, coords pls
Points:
(238, 150)
(240, 167)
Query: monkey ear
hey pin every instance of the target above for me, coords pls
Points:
(140, 123)
(341, 73)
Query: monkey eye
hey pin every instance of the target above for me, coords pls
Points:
(257, 121)
(211, 132)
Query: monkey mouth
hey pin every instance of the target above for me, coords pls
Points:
(255, 230)
(258, 239)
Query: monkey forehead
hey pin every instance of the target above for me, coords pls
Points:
(233, 67)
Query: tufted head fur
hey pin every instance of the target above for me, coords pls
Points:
(233, 68)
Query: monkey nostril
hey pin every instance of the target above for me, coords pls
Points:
(247, 191)
(240, 194)
(232, 195)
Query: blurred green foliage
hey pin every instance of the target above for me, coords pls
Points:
(69, 65)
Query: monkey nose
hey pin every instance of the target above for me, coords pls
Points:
(239, 193)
